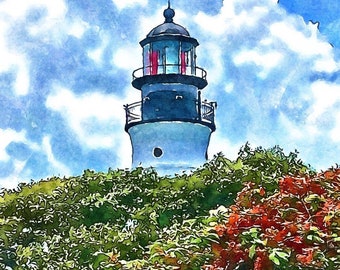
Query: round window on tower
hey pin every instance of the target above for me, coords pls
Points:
(157, 152)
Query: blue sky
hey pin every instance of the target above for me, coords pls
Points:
(65, 73)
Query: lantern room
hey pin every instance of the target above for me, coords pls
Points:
(169, 49)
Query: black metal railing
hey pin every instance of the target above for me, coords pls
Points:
(205, 114)
(170, 69)
(133, 112)
(208, 111)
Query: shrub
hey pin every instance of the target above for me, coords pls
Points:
(134, 219)
(298, 227)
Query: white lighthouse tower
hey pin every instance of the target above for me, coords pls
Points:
(170, 126)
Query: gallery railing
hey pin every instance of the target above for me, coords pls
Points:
(205, 114)
(208, 111)
(170, 69)
(133, 112)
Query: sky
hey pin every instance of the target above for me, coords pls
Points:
(65, 74)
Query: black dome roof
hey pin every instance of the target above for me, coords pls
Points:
(169, 27)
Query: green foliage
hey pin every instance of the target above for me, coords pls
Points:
(133, 219)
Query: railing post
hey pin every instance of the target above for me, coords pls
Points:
(141, 109)
(126, 114)
(199, 106)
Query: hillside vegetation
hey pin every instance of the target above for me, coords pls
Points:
(264, 210)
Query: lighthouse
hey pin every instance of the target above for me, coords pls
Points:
(171, 125)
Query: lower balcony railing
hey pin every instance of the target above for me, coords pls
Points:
(133, 112)
(205, 114)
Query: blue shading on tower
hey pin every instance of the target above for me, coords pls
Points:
(170, 127)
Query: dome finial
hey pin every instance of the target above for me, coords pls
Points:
(169, 14)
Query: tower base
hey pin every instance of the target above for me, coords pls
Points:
(170, 147)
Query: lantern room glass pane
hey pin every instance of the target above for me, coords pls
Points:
(158, 49)
(187, 58)
(171, 56)
(146, 59)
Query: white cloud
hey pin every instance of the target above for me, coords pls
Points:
(93, 117)
(128, 57)
(229, 87)
(77, 28)
(17, 8)
(97, 54)
(22, 81)
(304, 43)
(325, 95)
(265, 60)
(15, 177)
(322, 120)
(220, 143)
(20, 173)
(335, 132)
(129, 3)
(13, 61)
(17, 63)
(326, 64)
(146, 24)
(12, 58)
(124, 152)
(58, 167)
(261, 33)
(13, 11)
(291, 130)
(214, 57)
(6, 137)
(234, 16)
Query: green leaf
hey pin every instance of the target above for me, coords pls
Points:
(252, 251)
(283, 255)
(238, 165)
(100, 258)
(273, 258)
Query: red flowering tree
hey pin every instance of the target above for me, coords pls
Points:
(297, 227)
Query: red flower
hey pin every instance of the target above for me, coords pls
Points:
(295, 186)
(281, 235)
(262, 191)
(220, 230)
(307, 258)
(233, 218)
